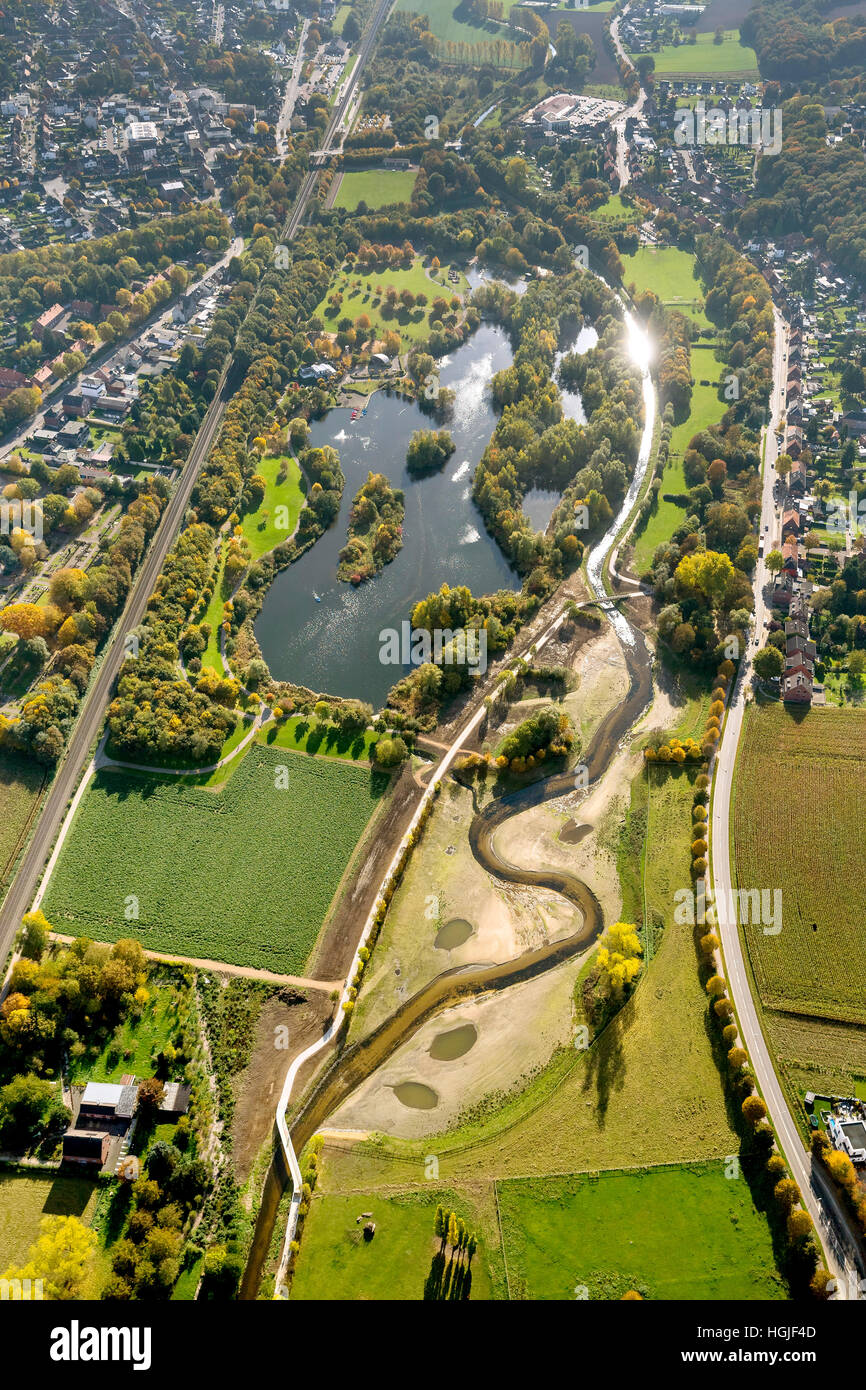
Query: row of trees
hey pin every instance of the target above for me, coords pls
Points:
(96, 272)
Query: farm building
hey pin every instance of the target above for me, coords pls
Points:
(175, 1100)
(86, 1146)
(107, 1105)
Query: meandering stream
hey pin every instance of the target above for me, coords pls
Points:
(359, 1060)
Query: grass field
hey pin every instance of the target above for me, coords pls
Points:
(813, 850)
(683, 1232)
(706, 410)
(646, 1092)
(25, 1200)
(21, 786)
(336, 1263)
(706, 58)
(615, 210)
(308, 735)
(245, 874)
(138, 1036)
(360, 297)
(268, 525)
(448, 21)
(378, 188)
(672, 275)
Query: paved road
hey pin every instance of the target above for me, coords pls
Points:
(105, 356)
(287, 110)
(841, 1260)
(23, 888)
(622, 166)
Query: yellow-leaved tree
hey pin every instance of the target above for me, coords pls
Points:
(618, 960)
(62, 1258)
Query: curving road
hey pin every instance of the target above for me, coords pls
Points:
(842, 1256)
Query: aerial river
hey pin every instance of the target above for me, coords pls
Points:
(355, 1062)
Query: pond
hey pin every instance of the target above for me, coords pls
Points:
(453, 934)
(332, 645)
(447, 1047)
(415, 1095)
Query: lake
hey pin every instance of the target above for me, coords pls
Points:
(333, 646)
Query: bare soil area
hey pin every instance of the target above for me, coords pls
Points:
(518, 1031)
(284, 1029)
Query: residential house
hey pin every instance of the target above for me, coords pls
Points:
(73, 434)
(86, 1146)
(11, 380)
(108, 1106)
(783, 589)
(798, 677)
(50, 318)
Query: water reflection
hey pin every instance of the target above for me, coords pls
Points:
(333, 645)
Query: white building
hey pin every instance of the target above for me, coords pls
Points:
(849, 1135)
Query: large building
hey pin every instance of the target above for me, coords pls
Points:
(108, 1106)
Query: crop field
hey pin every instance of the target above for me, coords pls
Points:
(360, 297)
(245, 874)
(337, 1263)
(21, 785)
(672, 275)
(25, 1200)
(683, 1232)
(378, 188)
(817, 1055)
(812, 848)
(706, 58)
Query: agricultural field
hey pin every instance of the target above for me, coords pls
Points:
(679, 1232)
(672, 275)
(246, 895)
(378, 188)
(442, 16)
(814, 853)
(706, 58)
(336, 1263)
(360, 297)
(817, 1055)
(25, 1200)
(22, 783)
